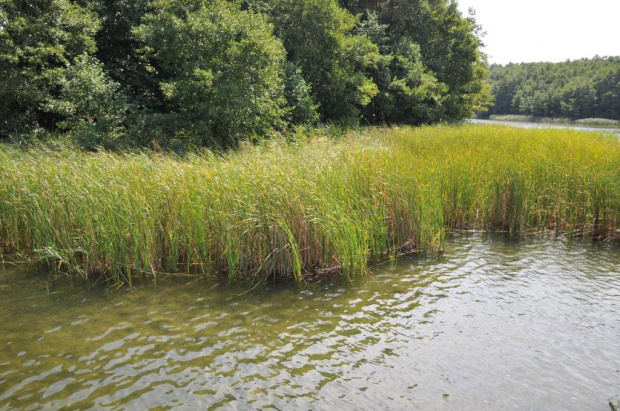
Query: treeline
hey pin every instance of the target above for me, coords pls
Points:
(587, 88)
(212, 72)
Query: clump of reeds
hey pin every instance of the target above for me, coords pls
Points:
(521, 180)
(315, 206)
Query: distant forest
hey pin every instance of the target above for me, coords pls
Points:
(110, 73)
(587, 88)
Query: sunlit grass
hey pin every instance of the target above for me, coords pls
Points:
(315, 206)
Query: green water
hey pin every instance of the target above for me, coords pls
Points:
(494, 323)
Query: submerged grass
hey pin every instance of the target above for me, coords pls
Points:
(315, 206)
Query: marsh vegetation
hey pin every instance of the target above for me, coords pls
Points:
(306, 206)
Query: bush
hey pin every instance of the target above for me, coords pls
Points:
(38, 40)
(319, 38)
(94, 110)
(220, 70)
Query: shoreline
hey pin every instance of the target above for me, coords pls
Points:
(586, 122)
(287, 209)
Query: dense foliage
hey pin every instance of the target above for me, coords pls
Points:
(449, 50)
(588, 88)
(39, 40)
(319, 39)
(108, 73)
(219, 70)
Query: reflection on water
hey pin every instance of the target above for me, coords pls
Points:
(525, 124)
(494, 323)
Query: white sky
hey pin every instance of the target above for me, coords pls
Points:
(547, 30)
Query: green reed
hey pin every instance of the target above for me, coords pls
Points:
(317, 205)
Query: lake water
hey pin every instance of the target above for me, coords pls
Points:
(493, 323)
(524, 124)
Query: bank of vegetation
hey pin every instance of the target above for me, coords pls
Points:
(306, 206)
(178, 73)
(587, 89)
(95, 91)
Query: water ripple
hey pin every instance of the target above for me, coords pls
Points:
(493, 323)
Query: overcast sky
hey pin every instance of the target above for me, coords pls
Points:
(547, 30)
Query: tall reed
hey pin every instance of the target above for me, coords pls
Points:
(315, 206)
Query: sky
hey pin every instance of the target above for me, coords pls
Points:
(547, 30)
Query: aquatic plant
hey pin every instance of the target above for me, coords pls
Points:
(307, 206)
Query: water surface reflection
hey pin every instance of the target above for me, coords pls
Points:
(529, 125)
(492, 323)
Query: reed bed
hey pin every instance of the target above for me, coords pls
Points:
(314, 206)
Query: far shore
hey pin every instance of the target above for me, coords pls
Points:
(524, 123)
(585, 122)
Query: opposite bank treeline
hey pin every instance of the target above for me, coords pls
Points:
(579, 89)
(210, 73)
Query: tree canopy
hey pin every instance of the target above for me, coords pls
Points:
(587, 88)
(39, 39)
(219, 69)
(211, 73)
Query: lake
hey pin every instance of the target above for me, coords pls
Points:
(493, 323)
(525, 124)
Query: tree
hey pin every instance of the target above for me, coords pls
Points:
(211, 73)
(119, 49)
(301, 108)
(408, 92)
(219, 68)
(608, 92)
(572, 89)
(449, 50)
(39, 39)
(94, 109)
(320, 41)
